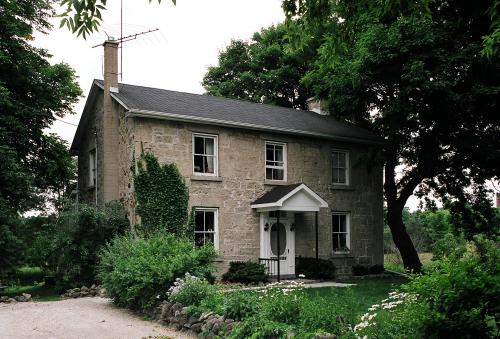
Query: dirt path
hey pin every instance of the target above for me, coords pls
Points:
(85, 318)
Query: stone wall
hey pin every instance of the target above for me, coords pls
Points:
(242, 180)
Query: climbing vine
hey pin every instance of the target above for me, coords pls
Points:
(162, 197)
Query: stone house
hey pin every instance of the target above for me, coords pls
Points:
(266, 183)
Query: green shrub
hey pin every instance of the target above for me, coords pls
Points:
(137, 272)
(80, 236)
(245, 272)
(190, 290)
(260, 328)
(462, 292)
(239, 305)
(315, 269)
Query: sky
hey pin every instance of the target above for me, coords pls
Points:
(189, 38)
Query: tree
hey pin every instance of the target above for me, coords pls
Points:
(33, 93)
(84, 16)
(262, 70)
(414, 73)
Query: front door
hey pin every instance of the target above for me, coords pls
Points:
(284, 249)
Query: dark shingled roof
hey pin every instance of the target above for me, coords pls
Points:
(238, 113)
(275, 194)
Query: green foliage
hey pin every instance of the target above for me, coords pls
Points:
(84, 17)
(10, 249)
(239, 305)
(80, 236)
(261, 328)
(312, 269)
(162, 197)
(245, 272)
(462, 292)
(33, 92)
(137, 272)
(190, 290)
(264, 70)
(38, 236)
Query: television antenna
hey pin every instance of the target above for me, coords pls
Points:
(123, 39)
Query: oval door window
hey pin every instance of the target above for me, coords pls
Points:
(274, 238)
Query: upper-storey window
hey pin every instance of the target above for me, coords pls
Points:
(92, 168)
(340, 167)
(275, 161)
(205, 154)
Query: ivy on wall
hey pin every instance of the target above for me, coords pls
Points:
(162, 197)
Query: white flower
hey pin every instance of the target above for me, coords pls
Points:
(302, 276)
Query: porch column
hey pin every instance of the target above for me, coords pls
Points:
(316, 229)
(278, 240)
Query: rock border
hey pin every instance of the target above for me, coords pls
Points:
(23, 297)
(84, 291)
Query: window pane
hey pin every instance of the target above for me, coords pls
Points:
(269, 153)
(209, 146)
(199, 221)
(199, 239)
(342, 176)
(342, 223)
(278, 174)
(335, 175)
(269, 173)
(342, 241)
(336, 242)
(209, 237)
(198, 163)
(198, 145)
(342, 160)
(209, 165)
(274, 239)
(209, 221)
(335, 223)
(278, 153)
(335, 159)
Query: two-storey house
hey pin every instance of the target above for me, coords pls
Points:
(264, 181)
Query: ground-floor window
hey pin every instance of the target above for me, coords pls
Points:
(206, 226)
(341, 231)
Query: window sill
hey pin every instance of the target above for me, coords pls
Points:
(275, 182)
(205, 178)
(334, 187)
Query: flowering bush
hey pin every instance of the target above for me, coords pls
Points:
(190, 291)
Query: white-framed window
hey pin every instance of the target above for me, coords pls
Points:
(340, 167)
(92, 168)
(206, 226)
(205, 150)
(341, 232)
(275, 161)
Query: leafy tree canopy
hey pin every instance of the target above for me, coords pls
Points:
(263, 70)
(32, 94)
(414, 73)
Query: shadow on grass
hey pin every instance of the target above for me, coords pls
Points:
(38, 291)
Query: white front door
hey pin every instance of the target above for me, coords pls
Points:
(284, 249)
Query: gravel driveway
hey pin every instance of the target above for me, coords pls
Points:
(77, 318)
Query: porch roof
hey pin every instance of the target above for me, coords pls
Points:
(297, 197)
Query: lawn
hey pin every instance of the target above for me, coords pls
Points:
(393, 262)
(357, 299)
(30, 280)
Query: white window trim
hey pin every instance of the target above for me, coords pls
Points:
(92, 167)
(216, 223)
(216, 154)
(348, 232)
(285, 160)
(347, 164)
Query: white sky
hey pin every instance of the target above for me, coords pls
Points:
(176, 57)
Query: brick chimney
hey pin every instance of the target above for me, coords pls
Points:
(317, 106)
(110, 125)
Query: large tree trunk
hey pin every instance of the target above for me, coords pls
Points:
(402, 240)
(395, 206)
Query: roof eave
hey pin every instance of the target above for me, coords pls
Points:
(210, 121)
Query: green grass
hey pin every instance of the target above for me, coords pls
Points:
(38, 291)
(393, 263)
(357, 299)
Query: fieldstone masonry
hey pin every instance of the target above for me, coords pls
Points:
(241, 180)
